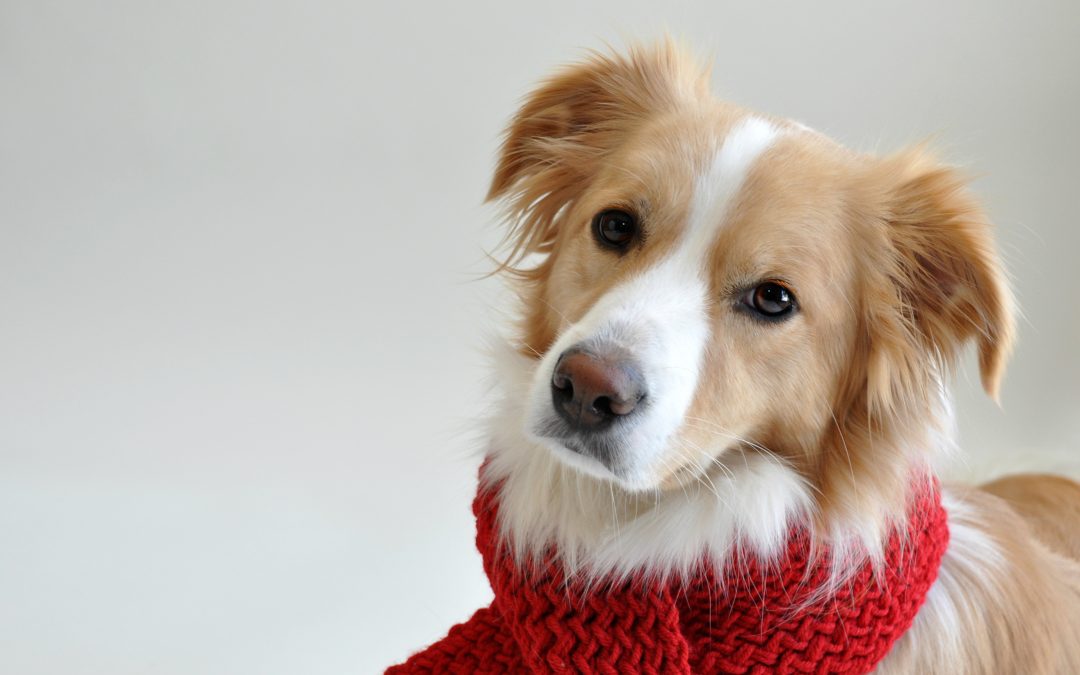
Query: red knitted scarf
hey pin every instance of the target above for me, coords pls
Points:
(754, 619)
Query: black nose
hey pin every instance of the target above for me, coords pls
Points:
(590, 392)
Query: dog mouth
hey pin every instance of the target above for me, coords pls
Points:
(593, 445)
(623, 453)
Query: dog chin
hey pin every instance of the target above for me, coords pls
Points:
(576, 454)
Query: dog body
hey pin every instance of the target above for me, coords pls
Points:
(733, 328)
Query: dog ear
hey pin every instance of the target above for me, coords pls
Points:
(945, 278)
(566, 127)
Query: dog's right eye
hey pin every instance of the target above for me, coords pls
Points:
(615, 228)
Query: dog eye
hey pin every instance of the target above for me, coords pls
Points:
(771, 300)
(615, 228)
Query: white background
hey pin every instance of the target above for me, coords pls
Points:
(240, 334)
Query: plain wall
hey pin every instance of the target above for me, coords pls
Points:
(241, 335)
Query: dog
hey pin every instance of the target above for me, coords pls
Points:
(735, 333)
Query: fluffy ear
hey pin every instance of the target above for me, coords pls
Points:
(566, 127)
(947, 282)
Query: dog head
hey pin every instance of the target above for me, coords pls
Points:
(699, 279)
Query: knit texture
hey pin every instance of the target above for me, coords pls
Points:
(751, 619)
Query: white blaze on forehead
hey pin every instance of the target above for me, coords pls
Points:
(718, 186)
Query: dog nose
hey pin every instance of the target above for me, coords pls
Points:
(590, 391)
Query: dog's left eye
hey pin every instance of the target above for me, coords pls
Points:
(770, 300)
(615, 228)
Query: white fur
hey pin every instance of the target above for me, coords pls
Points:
(716, 189)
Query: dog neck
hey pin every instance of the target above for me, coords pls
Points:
(786, 616)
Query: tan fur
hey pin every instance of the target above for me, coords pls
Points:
(1049, 504)
(896, 270)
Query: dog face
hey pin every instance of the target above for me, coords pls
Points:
(688, 288)
(713, 279)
